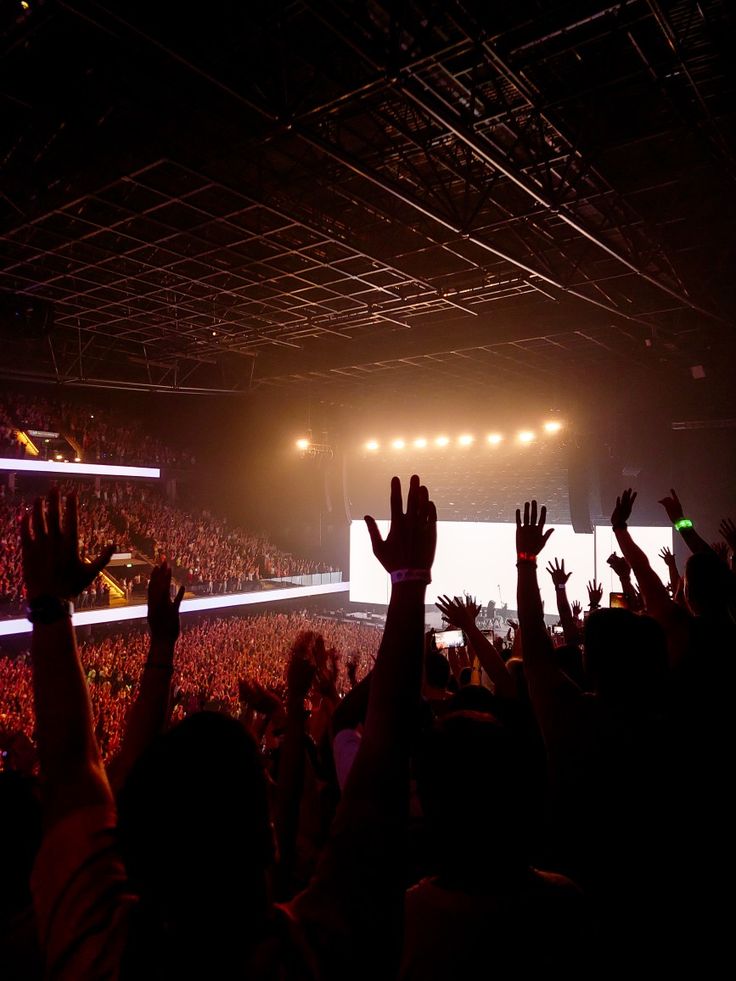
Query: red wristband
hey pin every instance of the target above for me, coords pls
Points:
(526, 557)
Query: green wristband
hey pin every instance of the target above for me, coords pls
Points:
(683, 523)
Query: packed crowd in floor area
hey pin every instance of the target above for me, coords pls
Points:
(285, 796)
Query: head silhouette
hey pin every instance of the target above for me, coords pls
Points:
(194, 817)
(625, 656)
(708, 584)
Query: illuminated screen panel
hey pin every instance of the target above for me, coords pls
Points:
(480, 558)
(651, 540)
(80, 469)
(196, 605)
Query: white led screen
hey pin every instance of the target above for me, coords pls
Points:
(480, 558)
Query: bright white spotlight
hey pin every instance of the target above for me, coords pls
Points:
(465, 440)
(398, 444)
(302, 444)
(372, 445)
(494, 438)
(442, 441)
(420, 443)
(526, 436)
(553, 426)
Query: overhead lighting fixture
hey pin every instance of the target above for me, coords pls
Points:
(442, 441)
(398, 444)
(420, 443)
(526, 436)
(494, 438)
(465, 440)
(302, 444)
(553, 426)
(371, 445)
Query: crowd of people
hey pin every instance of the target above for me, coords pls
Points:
(295, 798)
(100, 434)
(208, 554)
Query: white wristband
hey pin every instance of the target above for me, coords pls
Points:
(411, 575)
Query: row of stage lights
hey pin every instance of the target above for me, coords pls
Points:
(524, 437)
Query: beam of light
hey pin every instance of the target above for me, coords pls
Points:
(526, 436)
(553, 426)
(196, 605)
(420, 443)
(442, 441)
(495, 438)
(81, 469)
(465, 440)
(372, 445)
(398, 444)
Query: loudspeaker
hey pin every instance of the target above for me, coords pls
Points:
(578, 488)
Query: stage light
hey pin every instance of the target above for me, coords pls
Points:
(59, 456)
(77, 459)
(442, 441)
(495, 438)
(398, 444)
(420, 443)
(302, 444)
(465, 440)
(526, 436)
(553, 426)
(371, 445)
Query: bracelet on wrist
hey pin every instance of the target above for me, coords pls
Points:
(683, 524)
(411, 575)
(526, 557)
(561, 587)
(47, 609)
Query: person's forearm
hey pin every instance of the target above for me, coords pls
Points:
(149, 713)
(536, 645)
(492, 663)
(67, 748)
(651, 586)
(396, 680)
(289, 788)
(569, 627)
(693, 541)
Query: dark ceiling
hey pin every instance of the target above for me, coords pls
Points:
(366, 198)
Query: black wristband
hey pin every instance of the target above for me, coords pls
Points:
(48, 609)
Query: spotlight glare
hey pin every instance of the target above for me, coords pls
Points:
(495, 438)
(302, 444)
(398, 444)
(526, 436)
(465, 440)
(371, 445)
(442, 441)
(553, 426)
(420, 443)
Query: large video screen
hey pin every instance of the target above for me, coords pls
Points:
(480, 558)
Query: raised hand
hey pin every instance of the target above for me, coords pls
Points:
(163, 612)
(412, 536)
(459, 613)
(51, 562)
(302, 666)
(530, 534)
(728, 530)
(576, 609)
(595, 594)
(667, 557)
(255, 696)
(721, 550)
(556, 569)
(619, 565)
(672, 506)
(622, 511)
